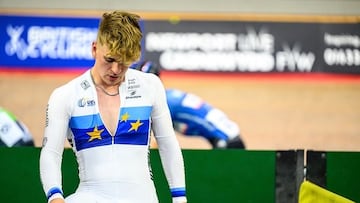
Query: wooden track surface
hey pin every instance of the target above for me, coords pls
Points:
(274, 112)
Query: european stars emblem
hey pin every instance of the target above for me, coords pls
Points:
(95, 134)
(135, 126)
(125, 117)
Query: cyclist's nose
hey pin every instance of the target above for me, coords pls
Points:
(117, 68)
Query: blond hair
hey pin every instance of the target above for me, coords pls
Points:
(120, 32)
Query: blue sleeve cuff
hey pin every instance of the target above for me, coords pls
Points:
(53, 191)
(178, 192)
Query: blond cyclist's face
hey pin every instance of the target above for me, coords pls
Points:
(108, 69)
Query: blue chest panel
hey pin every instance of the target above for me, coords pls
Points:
(133, 128)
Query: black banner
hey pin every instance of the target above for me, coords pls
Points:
(234, 46)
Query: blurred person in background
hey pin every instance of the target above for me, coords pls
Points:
(192, 116)
(13, 132)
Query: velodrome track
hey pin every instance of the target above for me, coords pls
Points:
(274, 111)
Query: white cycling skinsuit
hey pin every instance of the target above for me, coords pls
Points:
(112, 168)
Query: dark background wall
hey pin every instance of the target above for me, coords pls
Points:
(309, 7)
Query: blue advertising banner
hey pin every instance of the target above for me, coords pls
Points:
(46, 42)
